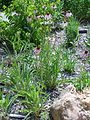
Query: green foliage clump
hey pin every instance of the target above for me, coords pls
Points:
(88, 43)
(48, 66)
(20, 81)
(83, 81)
(79, 8)
(29, 22)
(68, 63)
(28, 78)
(5, 3)
(72, 32)
(33, 100)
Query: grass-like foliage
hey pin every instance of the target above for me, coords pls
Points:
(79, 8)
(28, 79)
(83, 81)
(49, 65)
(33, 100)
(71, 32)
(88, 43)
(19, 80)
(68, 62)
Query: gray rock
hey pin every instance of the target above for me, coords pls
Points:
(71, 106)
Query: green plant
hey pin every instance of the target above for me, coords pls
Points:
(18, 76)
(88, 43)
(67, 62)
(83, 81)
(79, 8)
(4, 104)
(71, 32)
(27, 22)
(45, 115)
(57, 15)
(19, 81)
(48, 65)
(5, 2)
(33, 100)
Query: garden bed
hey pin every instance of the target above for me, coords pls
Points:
(79, 56)
(44, 54)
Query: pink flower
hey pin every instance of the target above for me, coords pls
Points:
(85, 54)
(68, 14)
(39, 16)
(37, 50)
(48, 16)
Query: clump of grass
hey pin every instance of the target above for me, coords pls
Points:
(68, 63)
(88, 43)
(83, 81)
(49, 65)
(33, 100)
(19, 81)
(71, 32)
(29, 76)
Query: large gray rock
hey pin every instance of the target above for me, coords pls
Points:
(71, 106)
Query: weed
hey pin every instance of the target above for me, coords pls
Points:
(26, 22)
(71, 32)
(4, 104)
(33, 100)
(83, 81)
(67, 62)
(79, 8)
(19, 80)
(49, 66)
(88, 43)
